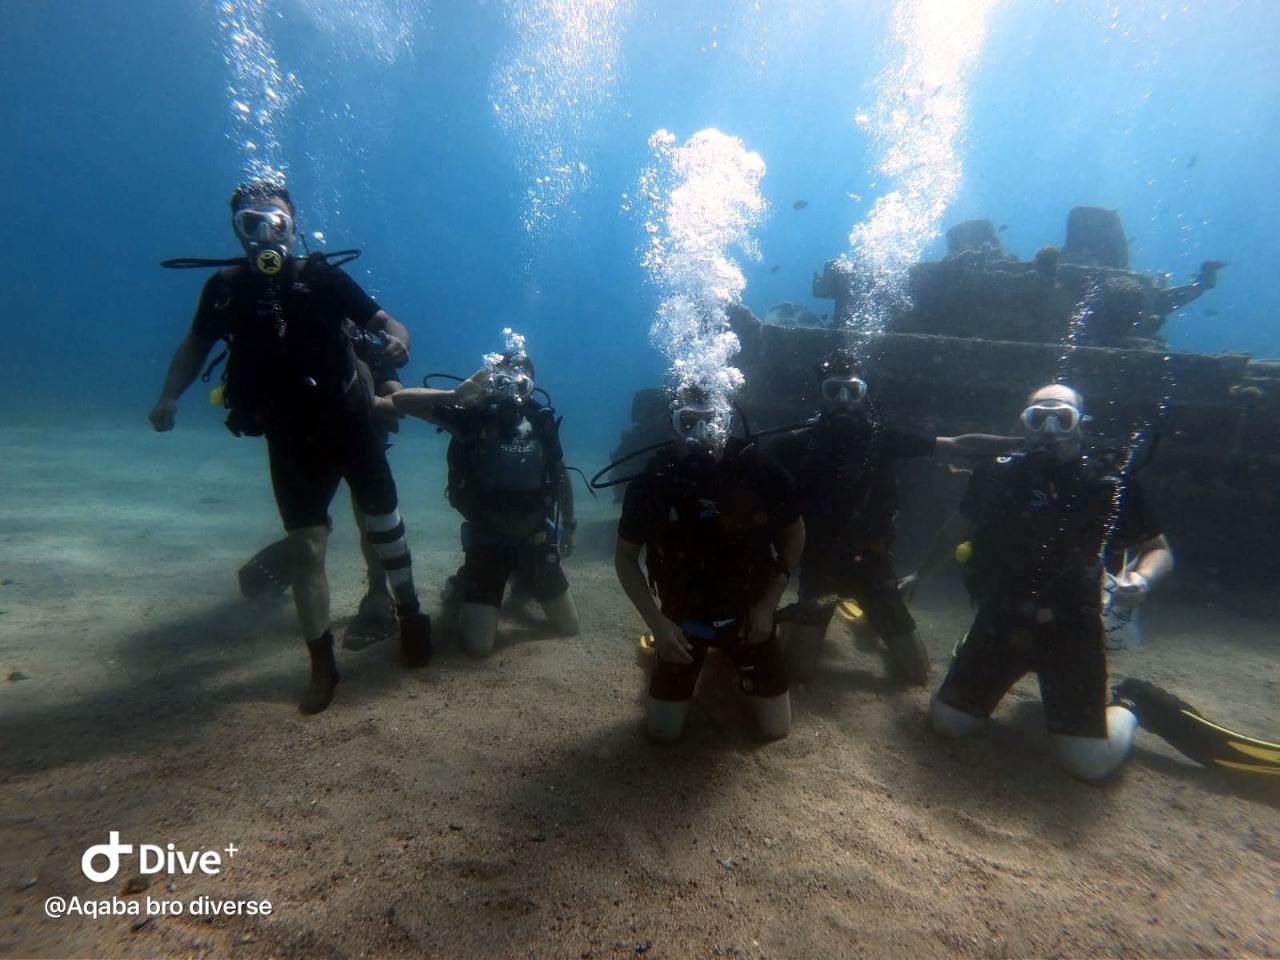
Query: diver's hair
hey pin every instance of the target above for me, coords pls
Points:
(688, 395)
(1079, 404)
(259, 191)
(518, 361)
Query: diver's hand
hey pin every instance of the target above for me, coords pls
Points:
(1131, 589)
(759, 624)
(396, 350)
(670, 643)
(164, 415)
(472, 388)
(565, 546)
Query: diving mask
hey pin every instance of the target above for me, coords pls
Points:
(511, 386)
(267, 235)
(269, 226)
(846, 391)
(694, 424)
(1052, 418)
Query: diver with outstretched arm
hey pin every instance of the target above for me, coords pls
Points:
(844, 462)
(509, 482)
(1036, 530)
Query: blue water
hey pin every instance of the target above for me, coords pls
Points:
(123, 149)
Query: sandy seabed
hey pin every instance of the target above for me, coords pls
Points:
(513, 807)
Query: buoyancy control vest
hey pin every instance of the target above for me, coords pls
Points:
(503, 475)
(849, 490)
(712, 551)
(290, 364)
(1043, 530)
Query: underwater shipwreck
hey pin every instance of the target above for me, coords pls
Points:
(983, 327)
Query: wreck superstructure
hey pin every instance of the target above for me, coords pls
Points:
(982, 328)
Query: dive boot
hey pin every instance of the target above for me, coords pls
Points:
(415, 639)
(324, 676)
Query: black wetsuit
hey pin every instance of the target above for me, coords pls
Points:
(845, 475)
(709, 531)
(503, 478)
(1038, 551)
(292, 377)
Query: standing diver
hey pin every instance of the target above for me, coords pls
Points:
(292, 377)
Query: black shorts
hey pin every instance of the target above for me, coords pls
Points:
(760, 670)
(1067, 654)
(306, 468)
(489, 565)
(868, 579)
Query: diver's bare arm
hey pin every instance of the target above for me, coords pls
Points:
(420, 401)
(185, 365)
(626, 564)
(669, 640)
(975, 445)
(183, 370)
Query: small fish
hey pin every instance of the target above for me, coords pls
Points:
(1210, 312)
(799, 204)
(1003, 227)
(1192, 162)
(776, 268)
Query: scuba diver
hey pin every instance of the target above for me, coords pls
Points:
(1044, 527)
(292, 376)
(1043, 524)
(722, 532)
(843, 462)
(509, 481)
(269, 572)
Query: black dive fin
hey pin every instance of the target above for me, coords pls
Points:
(1181, 726)
(269, 572)
(812, 612)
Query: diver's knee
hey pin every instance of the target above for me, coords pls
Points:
(949, 722)
(1094, 758)
(562, 613)
(307, 547)
(773, 716)
(664, 720)
(478, 623)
